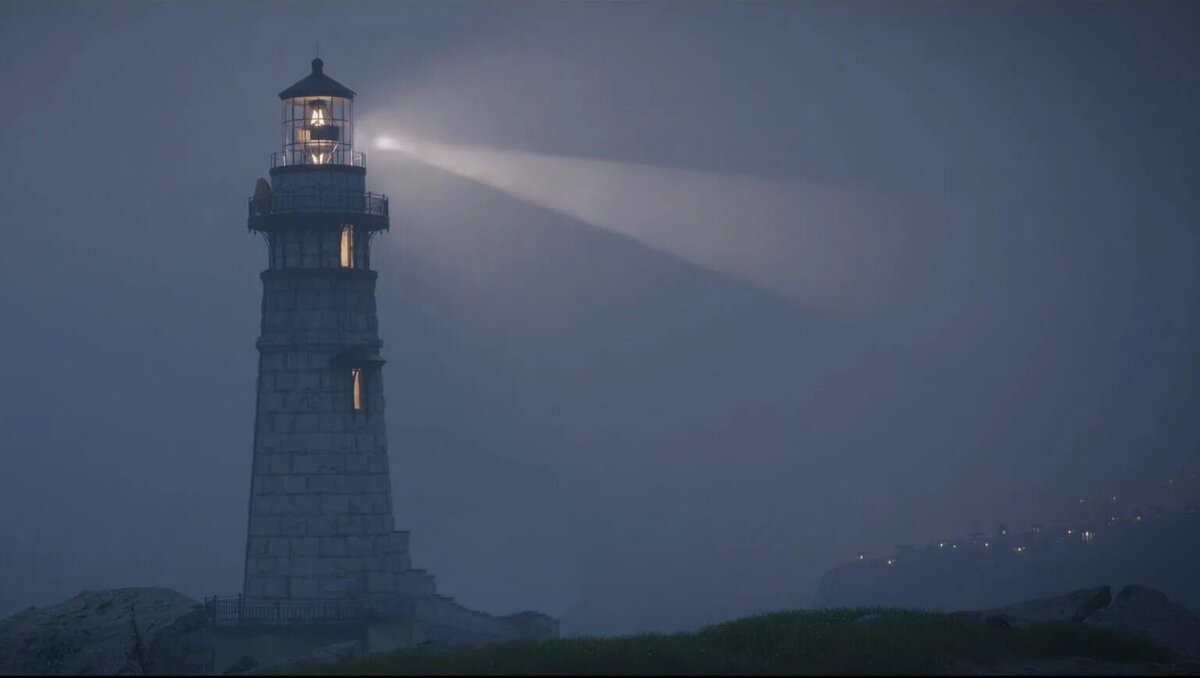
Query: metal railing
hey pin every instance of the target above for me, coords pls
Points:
(236, 611)
(319, 201)
(309, 157)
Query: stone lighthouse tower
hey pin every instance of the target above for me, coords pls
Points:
(320, 533)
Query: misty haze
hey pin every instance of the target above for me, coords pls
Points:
(690, 311)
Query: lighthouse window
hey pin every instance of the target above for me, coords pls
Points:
(347, 247)
(358, 395)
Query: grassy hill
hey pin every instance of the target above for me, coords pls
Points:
(801, 642)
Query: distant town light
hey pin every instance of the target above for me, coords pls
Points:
(1019, 549)
(1088, 535)
(891, 561)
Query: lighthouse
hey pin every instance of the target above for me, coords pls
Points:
(322, 550)
(321, 539)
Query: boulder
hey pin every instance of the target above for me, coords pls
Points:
(126, 632)
(868, 619)
(328, 654)
(533, 625)
(1072, 607)
(1147, 612)
(242, 665)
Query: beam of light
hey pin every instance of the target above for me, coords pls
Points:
(845, 252)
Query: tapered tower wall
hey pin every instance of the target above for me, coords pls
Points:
(320, 514)
(321, 523)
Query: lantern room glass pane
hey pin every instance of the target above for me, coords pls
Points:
(318, 130)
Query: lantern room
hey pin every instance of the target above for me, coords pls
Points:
(316, 212)
(318, 122)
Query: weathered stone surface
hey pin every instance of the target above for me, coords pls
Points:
(1136, 609)
(533, 625)
(242, 665)
(1147, 612)
(1074, 606)
(135, 631)
(443, 623)
(329, 654)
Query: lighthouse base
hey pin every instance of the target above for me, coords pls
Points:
(432, 622)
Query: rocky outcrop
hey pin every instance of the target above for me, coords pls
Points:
(329, 654)
(1075, 606)
(1147, 612)
(442, 624)
(125, 632)
(1136, 609)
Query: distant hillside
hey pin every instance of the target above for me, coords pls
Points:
(1160, 549)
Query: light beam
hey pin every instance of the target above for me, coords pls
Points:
(846, 252)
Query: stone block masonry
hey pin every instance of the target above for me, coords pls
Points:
(321, 524)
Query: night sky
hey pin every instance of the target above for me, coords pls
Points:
(582, 420)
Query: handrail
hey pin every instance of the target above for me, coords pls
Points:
(298, 156)
(236, 611)
(319, 200)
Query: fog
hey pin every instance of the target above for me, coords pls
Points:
(683, 303)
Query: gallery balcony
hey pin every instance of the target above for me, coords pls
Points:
(309, 208)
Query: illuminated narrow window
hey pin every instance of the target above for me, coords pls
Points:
(358, 395)
(347, 247)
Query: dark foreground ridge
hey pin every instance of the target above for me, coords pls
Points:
(1086, 632)
(1138, 631)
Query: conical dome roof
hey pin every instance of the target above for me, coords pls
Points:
(317, 84)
